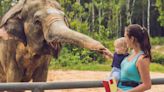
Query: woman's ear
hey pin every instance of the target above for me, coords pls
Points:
(132, 39)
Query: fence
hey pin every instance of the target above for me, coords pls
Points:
(36, 87)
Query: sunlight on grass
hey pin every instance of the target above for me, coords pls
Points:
(102, 67)
(96, 67)
(156, 67)
(91, 67)
(159, 49)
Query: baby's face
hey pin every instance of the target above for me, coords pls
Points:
(119, 48)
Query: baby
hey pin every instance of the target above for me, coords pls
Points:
(121, 51)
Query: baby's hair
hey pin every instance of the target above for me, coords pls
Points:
(121, 41)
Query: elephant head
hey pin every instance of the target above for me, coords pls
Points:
(45, 26)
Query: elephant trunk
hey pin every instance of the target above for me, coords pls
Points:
(59, 32)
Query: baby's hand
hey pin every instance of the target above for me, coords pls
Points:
(107, 54)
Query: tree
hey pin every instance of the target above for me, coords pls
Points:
(148, 16)
(160, 5)
(5, 5)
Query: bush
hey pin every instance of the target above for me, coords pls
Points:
(158, 58)
(157, 40)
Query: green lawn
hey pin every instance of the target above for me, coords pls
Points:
(95, 67)
(157, 68)
(102, 67)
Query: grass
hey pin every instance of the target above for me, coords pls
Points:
(91, 67)
(103, 67)
(158, 48)
(156, 67)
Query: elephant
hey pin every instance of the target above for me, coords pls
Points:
(31, 33)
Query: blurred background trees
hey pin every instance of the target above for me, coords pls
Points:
(107, 18)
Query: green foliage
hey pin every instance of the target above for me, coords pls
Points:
(158, 58)
(5, 5)
(160, 5)
(67, 58)
(94, 18)
(156, 67)
(71, 55)
(157, 40)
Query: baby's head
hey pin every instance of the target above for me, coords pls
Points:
(120, 46)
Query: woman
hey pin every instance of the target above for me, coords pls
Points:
(135, 76)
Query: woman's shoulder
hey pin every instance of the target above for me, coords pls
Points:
(143, 60)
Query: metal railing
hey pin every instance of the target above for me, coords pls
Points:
(37, 86)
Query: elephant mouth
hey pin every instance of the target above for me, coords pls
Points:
(54, 44)
(56, 48)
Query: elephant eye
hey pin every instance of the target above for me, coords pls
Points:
(38, 17)
(37, 22)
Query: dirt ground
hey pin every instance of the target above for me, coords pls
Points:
(64, 76)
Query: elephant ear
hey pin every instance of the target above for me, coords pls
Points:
(15, 27)
(14, 10)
